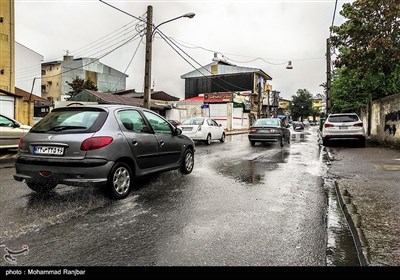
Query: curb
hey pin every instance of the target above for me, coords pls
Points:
(354, 221)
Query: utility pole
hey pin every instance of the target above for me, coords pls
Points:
(328, 76)
(260, 89)
(148, 59)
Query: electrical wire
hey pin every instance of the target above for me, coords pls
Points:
(201, 66)
(126, 69)
(333, 19)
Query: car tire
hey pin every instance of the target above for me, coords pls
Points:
(288, 139)
(187, 162)
(41, 187)
(208, 139)
(325, 142)
(120, 180)
(282, 142)
(252, 143)
(361, 143)
(222, 140)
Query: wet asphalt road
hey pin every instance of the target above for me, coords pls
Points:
(241, 206)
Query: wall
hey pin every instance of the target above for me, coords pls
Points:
(27, 67)
(385, 120)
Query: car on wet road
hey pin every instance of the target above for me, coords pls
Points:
(343, 127)
(100, 145)
(11, 131)
(203, 129)
(269, 130)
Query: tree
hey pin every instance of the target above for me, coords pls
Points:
(368, 63)
(78, 85)
(301, 106)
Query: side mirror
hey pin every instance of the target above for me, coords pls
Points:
(220, 125)
(177, 131)
(16, 125)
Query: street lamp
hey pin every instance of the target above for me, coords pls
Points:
(149, 39)
(149, 36)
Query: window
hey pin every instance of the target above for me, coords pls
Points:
(43, 72)
(158, 124)
(132, 120)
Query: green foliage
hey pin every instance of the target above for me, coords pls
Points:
(368, 63)
(301, 106)
(79, 84)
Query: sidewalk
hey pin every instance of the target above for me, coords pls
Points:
(237, 131)
(367, 184)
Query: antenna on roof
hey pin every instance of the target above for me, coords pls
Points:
(67, 52)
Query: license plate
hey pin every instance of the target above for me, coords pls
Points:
(342, 127)
(264, 131)
(186, 128)
(46, 150)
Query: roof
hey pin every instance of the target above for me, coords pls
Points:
(224, 68)
(199, 98)
(156, 95)
(26, 95)
(109, 98)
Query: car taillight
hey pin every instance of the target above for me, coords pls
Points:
(253, 130)
(328, 125)
(358, 124)
(20, 143)
(95, 143)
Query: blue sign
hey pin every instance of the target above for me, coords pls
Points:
(205, 106)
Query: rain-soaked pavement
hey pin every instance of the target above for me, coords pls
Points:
(241, 206)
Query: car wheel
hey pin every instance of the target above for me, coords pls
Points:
(208, 140)
(362, 143)
(120, 180)
(288, 139)
(282, 142)
(41, 187)
(252, 143)
(187, 162)
(325, 142)
(222, 140)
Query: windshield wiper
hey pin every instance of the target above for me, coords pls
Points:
(64, 127)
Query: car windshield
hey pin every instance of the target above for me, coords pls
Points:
(343, 118)
(194, 121)
(269, 122)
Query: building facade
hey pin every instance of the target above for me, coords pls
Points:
(28, 65)
(7, 46)
(56, 74)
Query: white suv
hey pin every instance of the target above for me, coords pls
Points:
(346, 126)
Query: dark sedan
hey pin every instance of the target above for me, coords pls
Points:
(269, 130)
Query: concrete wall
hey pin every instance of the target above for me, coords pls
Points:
(384, 119)
(230, 118)
(28, 65)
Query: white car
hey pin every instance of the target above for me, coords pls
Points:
(346, 126)
(202, 129)
(10, 132)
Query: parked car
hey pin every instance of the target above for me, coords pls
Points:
(344, 127)
(203, 129)
(100, 145)
(175, 123)
(298, 125)
(269, 130)
(10, 132)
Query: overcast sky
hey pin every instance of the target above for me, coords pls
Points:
(241, 31)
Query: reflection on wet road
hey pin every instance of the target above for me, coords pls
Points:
(242, 205)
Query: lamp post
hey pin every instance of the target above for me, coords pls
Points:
(149, 39)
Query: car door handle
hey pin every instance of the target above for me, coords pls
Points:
(135, 143)
(162, 143)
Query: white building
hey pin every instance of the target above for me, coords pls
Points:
(28, 65)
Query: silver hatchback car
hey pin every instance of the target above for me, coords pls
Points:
(100, 145)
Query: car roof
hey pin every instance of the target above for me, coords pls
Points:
(343, 114)
(104, 106)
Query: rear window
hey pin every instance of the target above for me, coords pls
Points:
(71, 121)
(195, 121)
(343, 118)
(273, 122)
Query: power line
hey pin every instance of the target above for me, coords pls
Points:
(333, 18)
(126, 69)
(201, 66)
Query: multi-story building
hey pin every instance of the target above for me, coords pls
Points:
(56, 74)
(220, 76)
(7, 46)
